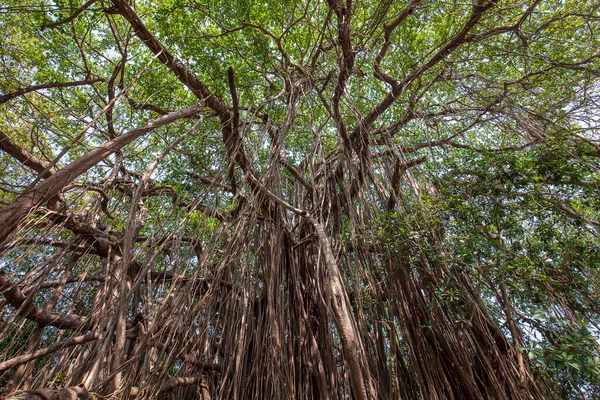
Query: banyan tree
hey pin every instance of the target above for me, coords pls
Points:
(301, 199)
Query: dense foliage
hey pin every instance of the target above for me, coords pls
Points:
(300, 199)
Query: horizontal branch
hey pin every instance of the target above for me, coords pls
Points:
(451, 143)
(69, 393)
(162, 276)
(192, 359)
(167, 386)
(51, 85)
(77, 392)
(26, 308)
(22, 359)
(210, 182)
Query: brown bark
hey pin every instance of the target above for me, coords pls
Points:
(24, 358)
(231, 137)
(13, 215)
(33, 88)
(23, 156)
(479, 8)
(26, 309)
(70, 393)
(351, 339)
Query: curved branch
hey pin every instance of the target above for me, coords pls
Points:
(26, 309)
(101, 192)
(77, 392)
(22, 359)
(70, 17)
(29, 89)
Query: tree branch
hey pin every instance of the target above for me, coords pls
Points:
(25, 308)
(29, 89)
(22, 359)
(12, 216)
(478, 10)
(23, 156)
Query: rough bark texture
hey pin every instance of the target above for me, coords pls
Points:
(14, 214)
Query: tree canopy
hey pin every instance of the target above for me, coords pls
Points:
(300, 199)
